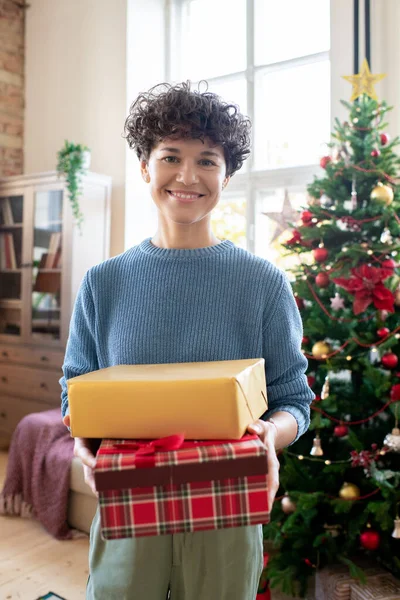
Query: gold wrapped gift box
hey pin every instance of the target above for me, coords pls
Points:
(202, 400)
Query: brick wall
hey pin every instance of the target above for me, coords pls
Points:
(12, 34)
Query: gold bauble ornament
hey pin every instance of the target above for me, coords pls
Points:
(392, 440)
(349, 491)
(396, 530)
(382, 194)
(320, 349)
(288, 506)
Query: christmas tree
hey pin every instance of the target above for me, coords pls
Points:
(339, 497)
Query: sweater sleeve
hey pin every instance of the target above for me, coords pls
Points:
(285, 364)
(80, 355)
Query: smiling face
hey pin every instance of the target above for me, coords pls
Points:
(186, 178)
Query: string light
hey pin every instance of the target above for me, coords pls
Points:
(319, 460)
(355, 340)
(361, 421)
(340, 172)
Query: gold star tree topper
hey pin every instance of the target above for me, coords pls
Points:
(363, 82)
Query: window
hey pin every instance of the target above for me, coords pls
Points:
(272, 59)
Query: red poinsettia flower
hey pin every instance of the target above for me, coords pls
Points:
(366, 285)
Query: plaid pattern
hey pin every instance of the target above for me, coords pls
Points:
(110, 459)
(187, 507)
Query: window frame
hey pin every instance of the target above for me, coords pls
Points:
(249, 181)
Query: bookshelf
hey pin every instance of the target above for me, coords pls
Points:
(43, 258)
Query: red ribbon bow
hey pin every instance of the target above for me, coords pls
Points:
(145, 451)
(170, 442)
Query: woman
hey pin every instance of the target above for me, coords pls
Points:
(186, 296)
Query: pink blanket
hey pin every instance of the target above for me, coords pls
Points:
(38, 471)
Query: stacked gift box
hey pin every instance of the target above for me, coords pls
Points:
(175, 456)
(334, 582)
(378, 587)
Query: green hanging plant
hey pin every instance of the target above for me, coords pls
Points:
(71, 163)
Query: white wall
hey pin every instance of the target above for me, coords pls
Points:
(76, 89)
(145, 68)
(385, 54)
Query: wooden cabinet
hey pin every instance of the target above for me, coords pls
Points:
(43, 257)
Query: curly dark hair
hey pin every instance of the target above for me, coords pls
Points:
(177, 112)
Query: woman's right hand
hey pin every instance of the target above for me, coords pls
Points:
(83, 451)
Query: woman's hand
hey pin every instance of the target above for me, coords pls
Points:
(83, 451)
(267, 433)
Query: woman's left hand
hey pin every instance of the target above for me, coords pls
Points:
(267, 433)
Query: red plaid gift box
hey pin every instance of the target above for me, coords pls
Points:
(172, 486)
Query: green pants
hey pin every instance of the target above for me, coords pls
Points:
(224, 564)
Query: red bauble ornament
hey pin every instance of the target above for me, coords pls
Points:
(317, 398)
(370, 539)
(299, 302)
(395, 392)
(341, 430)
(322, 280)
(296, 237)
(310, 380)
(308, 562)
(325, 160)
(320, 254)
(383, 332)
(306, 216)
(305, 340)
(375, 153)
(389, 360)
(385, 137)
(389, 265)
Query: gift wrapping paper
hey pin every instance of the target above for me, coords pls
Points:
(146, 490)
(202, 400)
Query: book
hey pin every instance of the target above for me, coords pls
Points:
(48, 283)
(13, 258)
(2, 252)
(57, 259)
(54, 245)
(7, 251)
(7, 212)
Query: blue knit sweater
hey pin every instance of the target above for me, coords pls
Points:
(153, 305)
